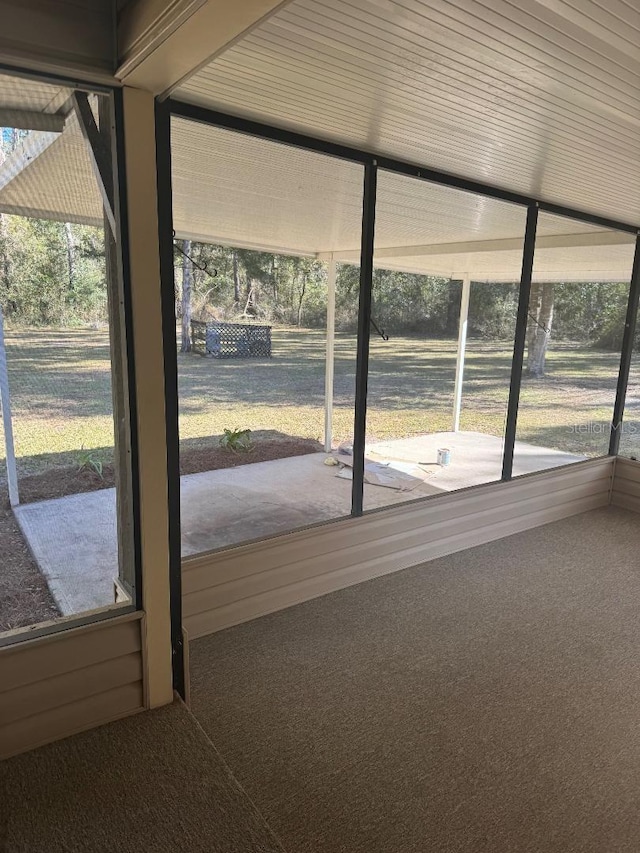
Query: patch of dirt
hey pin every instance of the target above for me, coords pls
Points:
(59, 482)
(24, 595)
(196, 460)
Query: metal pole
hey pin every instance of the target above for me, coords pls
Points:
(167, 285)
(364, 323)
(7, 421)
(520, 340)
(330, 349)
(118, 351)
(626, 353)
(126, 319)
(462, 345)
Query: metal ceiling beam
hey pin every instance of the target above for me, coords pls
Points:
(53, 215)
(31, 120)
(509, 244)
(65, 37)
(99, 146)
(601, 276)
(160, 43)
(238, 243)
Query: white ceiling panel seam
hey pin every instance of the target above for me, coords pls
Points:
(601, 33)
(621, 11)
(616, 16)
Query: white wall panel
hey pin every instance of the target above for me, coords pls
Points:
(228, 587)
(58, 685)
(625, 492)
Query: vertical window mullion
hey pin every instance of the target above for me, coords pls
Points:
(165, 228)
(626, 354)
(520, 341)
(364, 324)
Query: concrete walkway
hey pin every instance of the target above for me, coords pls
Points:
(73, 539)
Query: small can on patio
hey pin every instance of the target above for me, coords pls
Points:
(443, 456)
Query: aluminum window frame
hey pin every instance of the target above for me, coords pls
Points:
(122, 287)
(373, 162)
(169, 108)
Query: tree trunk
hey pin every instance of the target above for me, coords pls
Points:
(303, 290)
(250, 307)
(274, 280)
(540, 321)
(71, 247)
(532, 326)
(5, 263)
(236, 278)
(453, 307)
(7, 146)
(187, 281)
(292, 299)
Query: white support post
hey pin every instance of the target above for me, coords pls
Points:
(462, 344)
(7, 422)
(144, 269)
(329, 364)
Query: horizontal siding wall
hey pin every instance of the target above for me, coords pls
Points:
(229, 587)
(626, 484)
(56, 686)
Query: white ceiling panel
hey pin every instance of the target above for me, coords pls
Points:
(54, 179)
(233, 189)
(540, 97)
(49, 174)
(237, 190)
(425, 227)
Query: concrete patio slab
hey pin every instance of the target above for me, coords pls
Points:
(476, 458)
(74, 539)
(74, 542)
(223, 508)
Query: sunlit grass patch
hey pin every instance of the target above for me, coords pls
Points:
(61, 393)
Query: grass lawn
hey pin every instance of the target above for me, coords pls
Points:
(61, 393)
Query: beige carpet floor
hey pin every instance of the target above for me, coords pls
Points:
(150, 784)
(488, 701)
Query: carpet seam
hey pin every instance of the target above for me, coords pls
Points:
(233, 776)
